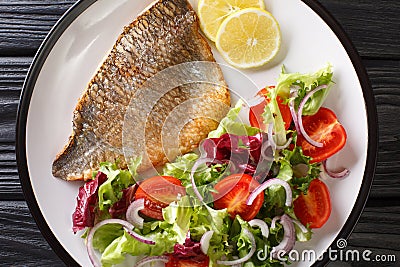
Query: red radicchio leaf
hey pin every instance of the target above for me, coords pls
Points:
(244, 152)
(87, 199)
(119, 208)
(190, 250)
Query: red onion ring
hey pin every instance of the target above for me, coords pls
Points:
(293, 94)
(248, 256)
(285, 145)
(294, 116)
(272, 141)
(300, 225)
(132, 213)
(341, 174)
(205, 241)
(127, 226)
(196, 165)
(270, 136)
(274, 220)
(151, 259)
(268, 183)
(289, 237)
(262, 225)
(300, 114)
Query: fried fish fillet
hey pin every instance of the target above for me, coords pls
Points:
(166, 34)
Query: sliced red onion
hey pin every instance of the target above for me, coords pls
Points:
(270, 135)
(196, 165)
(293, 95)
(333, 174)
(289, 237)
(294, 116)
(132, 213)
(89, 245)
(268, 183)
(236, 265)
(300, 114)
(300, 225)
(152, 259)
(274, 220)
(205, 241)
(272, 141)
(262, 225)
(248, 256)
(127, 226)
(285, 145)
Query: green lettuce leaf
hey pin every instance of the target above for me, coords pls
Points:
(229, 124)
(272, 114)
(300, 182)
(302, 236)
(105, 235)
(111, 190)
(165, 233)
(205, 177)
(178, 214)
(242, 244)
(115, 253)
(306, 83)
(206, 219)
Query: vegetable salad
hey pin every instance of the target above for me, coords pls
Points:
(244, 199)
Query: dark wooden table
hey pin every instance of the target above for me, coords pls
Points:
(373, 26)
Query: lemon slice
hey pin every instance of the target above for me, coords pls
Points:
(249, 38)
(213, 12)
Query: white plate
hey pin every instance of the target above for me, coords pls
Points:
(77, 46)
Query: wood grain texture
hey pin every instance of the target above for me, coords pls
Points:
(24, 24)
(22, 243)
(373, 27)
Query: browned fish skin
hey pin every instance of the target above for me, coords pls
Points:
(166, 34)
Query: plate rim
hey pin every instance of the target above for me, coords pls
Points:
(76, 10)
(372, 125)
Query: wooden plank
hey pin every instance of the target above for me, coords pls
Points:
(22, 244)
(373, 26)
(24, 24)
(12, 74)
(385, 80)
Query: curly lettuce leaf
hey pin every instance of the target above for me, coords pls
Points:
(117, 180)
(304, 84)
(229, 124)
(205, 219)
(242, 244)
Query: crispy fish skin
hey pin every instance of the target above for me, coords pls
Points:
(164, 35)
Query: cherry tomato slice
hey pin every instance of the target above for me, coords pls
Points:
(158, 192)
(315, 207)
(176, 262)
(322, 127)
(256, 111)
(233, 191)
